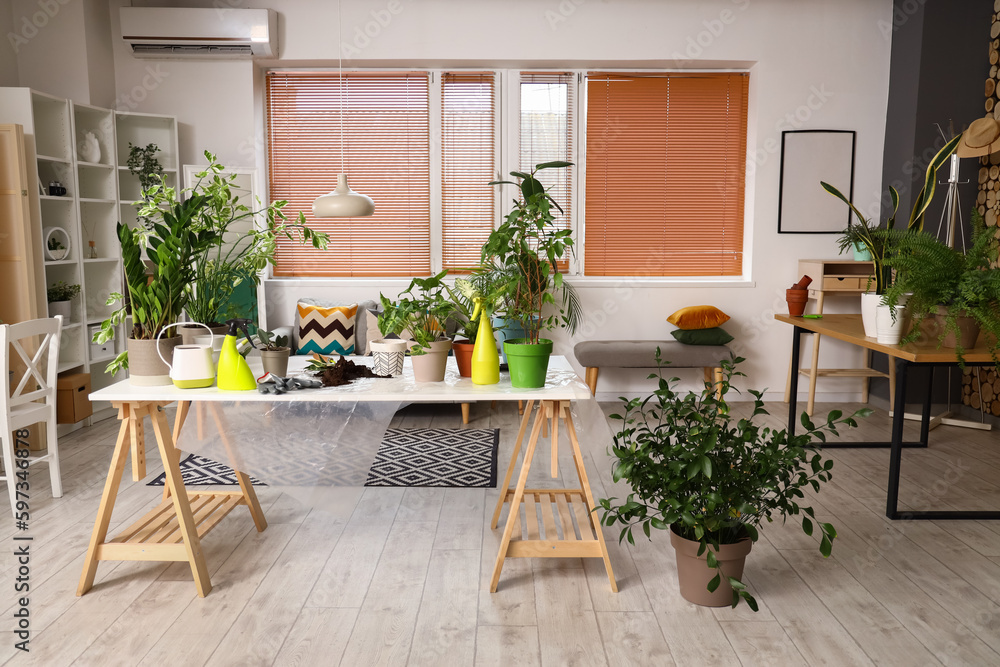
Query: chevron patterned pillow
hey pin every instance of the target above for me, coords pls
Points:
(326, 330)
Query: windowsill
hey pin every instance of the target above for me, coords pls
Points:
(577, 281)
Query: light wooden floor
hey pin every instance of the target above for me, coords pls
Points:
(404, 580)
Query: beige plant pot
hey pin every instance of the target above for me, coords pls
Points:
(145, 368)
(190, 332)
(275, 362)
(693, 572)
(430, 366)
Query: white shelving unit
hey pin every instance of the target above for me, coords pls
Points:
(140, 129)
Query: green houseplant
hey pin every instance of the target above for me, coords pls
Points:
(522, 255)
(157, 298)
(60, 296)
(423, 309)
(475, 299)
(245, 242)
(274, 352)
(959, 291)
(712, 478)
(144, 165)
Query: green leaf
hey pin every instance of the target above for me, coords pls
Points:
(714, 583)
(553, 164)
(825, 547)
(807, 526)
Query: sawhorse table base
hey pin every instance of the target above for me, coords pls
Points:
(568, 529)
(173, 530)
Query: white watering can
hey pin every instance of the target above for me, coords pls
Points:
(192, 367)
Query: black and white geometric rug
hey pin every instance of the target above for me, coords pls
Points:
(440, 457)
(436, 457)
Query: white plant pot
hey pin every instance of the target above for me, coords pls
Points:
(869, 302)
(388, 356)
(889, 330)
(63, 308)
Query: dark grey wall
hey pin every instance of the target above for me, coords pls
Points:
(937, 72)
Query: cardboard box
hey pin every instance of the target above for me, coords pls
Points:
(72, 402)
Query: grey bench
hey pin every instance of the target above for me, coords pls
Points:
(597, 354)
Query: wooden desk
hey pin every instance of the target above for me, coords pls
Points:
(174, 529)
(849, 329)
(834, 277)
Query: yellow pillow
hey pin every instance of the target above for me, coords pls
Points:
(698, 317)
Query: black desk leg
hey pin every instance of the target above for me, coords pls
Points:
(793, 381)
(925, 415)
(895, 454)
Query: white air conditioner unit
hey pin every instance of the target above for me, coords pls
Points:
(168, 32)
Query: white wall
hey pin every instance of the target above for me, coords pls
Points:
(814, 64)
(52, 54)
(8, 56)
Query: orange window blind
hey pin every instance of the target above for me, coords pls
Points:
(666, 157)
(381, 120)
(468, 142)
(547, 117)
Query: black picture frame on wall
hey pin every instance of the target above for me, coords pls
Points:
(808, 157)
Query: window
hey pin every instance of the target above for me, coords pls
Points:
(657, 188)
(547, 125)
(665, 174)
(382, 120)
(468, 163)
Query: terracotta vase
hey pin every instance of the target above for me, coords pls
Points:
(463, 357)
(968, 329)
(796, 299)
(693, 572)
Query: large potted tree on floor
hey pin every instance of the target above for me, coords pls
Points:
(157, 294)
(712, 478)
(523, 254)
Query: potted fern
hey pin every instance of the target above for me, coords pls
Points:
(880, 242)
(522, 255)
(958, 292)
(711, 479)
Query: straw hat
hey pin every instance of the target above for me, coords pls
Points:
(981, 138)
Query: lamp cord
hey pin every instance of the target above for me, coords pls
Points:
(340, 71)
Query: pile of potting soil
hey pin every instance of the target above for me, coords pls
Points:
(344, 372)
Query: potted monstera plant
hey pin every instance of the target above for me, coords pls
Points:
(423, 309)
(522, 255)
(711, 478)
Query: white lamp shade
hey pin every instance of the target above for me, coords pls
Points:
(343, 202)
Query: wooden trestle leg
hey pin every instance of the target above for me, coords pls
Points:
(568, 527)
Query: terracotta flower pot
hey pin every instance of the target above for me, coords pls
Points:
(145, 368)
(968, 329)
(693, 572)
(796, 299)
(463, 356)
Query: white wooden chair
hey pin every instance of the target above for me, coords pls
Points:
(32, 398)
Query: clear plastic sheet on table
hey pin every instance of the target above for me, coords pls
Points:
(318, 452)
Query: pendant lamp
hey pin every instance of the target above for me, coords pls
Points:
(343, 202)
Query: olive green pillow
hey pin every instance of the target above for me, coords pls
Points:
(713, 336)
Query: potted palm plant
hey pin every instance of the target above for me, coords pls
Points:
(423, 309)
(959, 291)
(157, 298)
(476, 298)
(522, 256)
(880, 242)
(712, 478)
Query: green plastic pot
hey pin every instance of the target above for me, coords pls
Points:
(528, 362)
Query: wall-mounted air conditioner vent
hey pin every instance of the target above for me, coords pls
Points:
(168, 32)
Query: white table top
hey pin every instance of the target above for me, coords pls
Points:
(562, 384)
